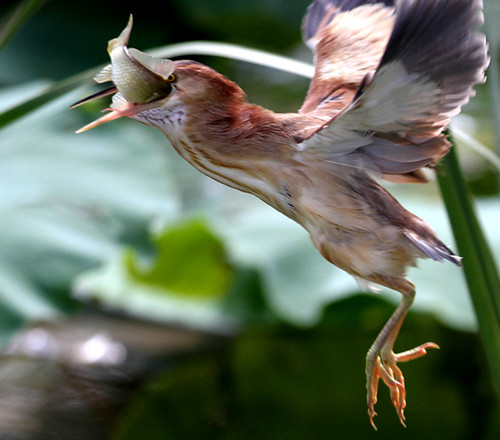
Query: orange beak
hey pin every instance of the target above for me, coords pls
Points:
(114, 114)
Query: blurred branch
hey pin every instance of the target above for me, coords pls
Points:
(235, 52)
(24, 11)
(479, 265)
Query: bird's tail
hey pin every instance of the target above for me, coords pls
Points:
(433, 248)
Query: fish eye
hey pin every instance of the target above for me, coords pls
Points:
(172, 77)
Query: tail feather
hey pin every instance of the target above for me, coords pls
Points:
(436, 249)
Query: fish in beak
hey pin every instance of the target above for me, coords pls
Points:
(139, 80)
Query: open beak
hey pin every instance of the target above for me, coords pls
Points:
(100, 94)
(139, 80)
(118, 109)
(125, 108)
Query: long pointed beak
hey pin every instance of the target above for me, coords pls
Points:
(106, 118)
(115, 114)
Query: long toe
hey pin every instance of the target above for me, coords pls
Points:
(415, 353)
(372, 380)
(393, 377)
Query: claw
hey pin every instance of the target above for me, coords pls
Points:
(393, 378)
(372, 386)
(385, 368)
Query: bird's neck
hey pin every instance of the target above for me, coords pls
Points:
(238, 144)
(239, 129)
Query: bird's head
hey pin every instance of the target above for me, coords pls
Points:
(142, 83)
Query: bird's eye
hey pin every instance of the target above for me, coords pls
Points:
(172, 77)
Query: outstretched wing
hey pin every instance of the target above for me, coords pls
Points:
(426, 74)
(348, 38)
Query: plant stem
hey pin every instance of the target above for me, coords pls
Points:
(479, 265)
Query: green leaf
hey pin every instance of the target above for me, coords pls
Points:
(190, 261)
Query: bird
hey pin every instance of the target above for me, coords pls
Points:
(388, 77)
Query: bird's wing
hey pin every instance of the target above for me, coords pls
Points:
(426, 73)
(348, 38)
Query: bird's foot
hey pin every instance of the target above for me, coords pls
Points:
(384, 366)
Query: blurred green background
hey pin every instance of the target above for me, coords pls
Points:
(140, 299)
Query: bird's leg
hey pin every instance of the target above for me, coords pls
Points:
(381, 361)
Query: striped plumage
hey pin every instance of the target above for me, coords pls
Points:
(389, 75)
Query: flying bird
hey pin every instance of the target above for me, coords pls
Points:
(389, 75)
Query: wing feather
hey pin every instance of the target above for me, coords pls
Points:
(348, 38)
(426, 74)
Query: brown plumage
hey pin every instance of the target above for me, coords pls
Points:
(389, 75)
